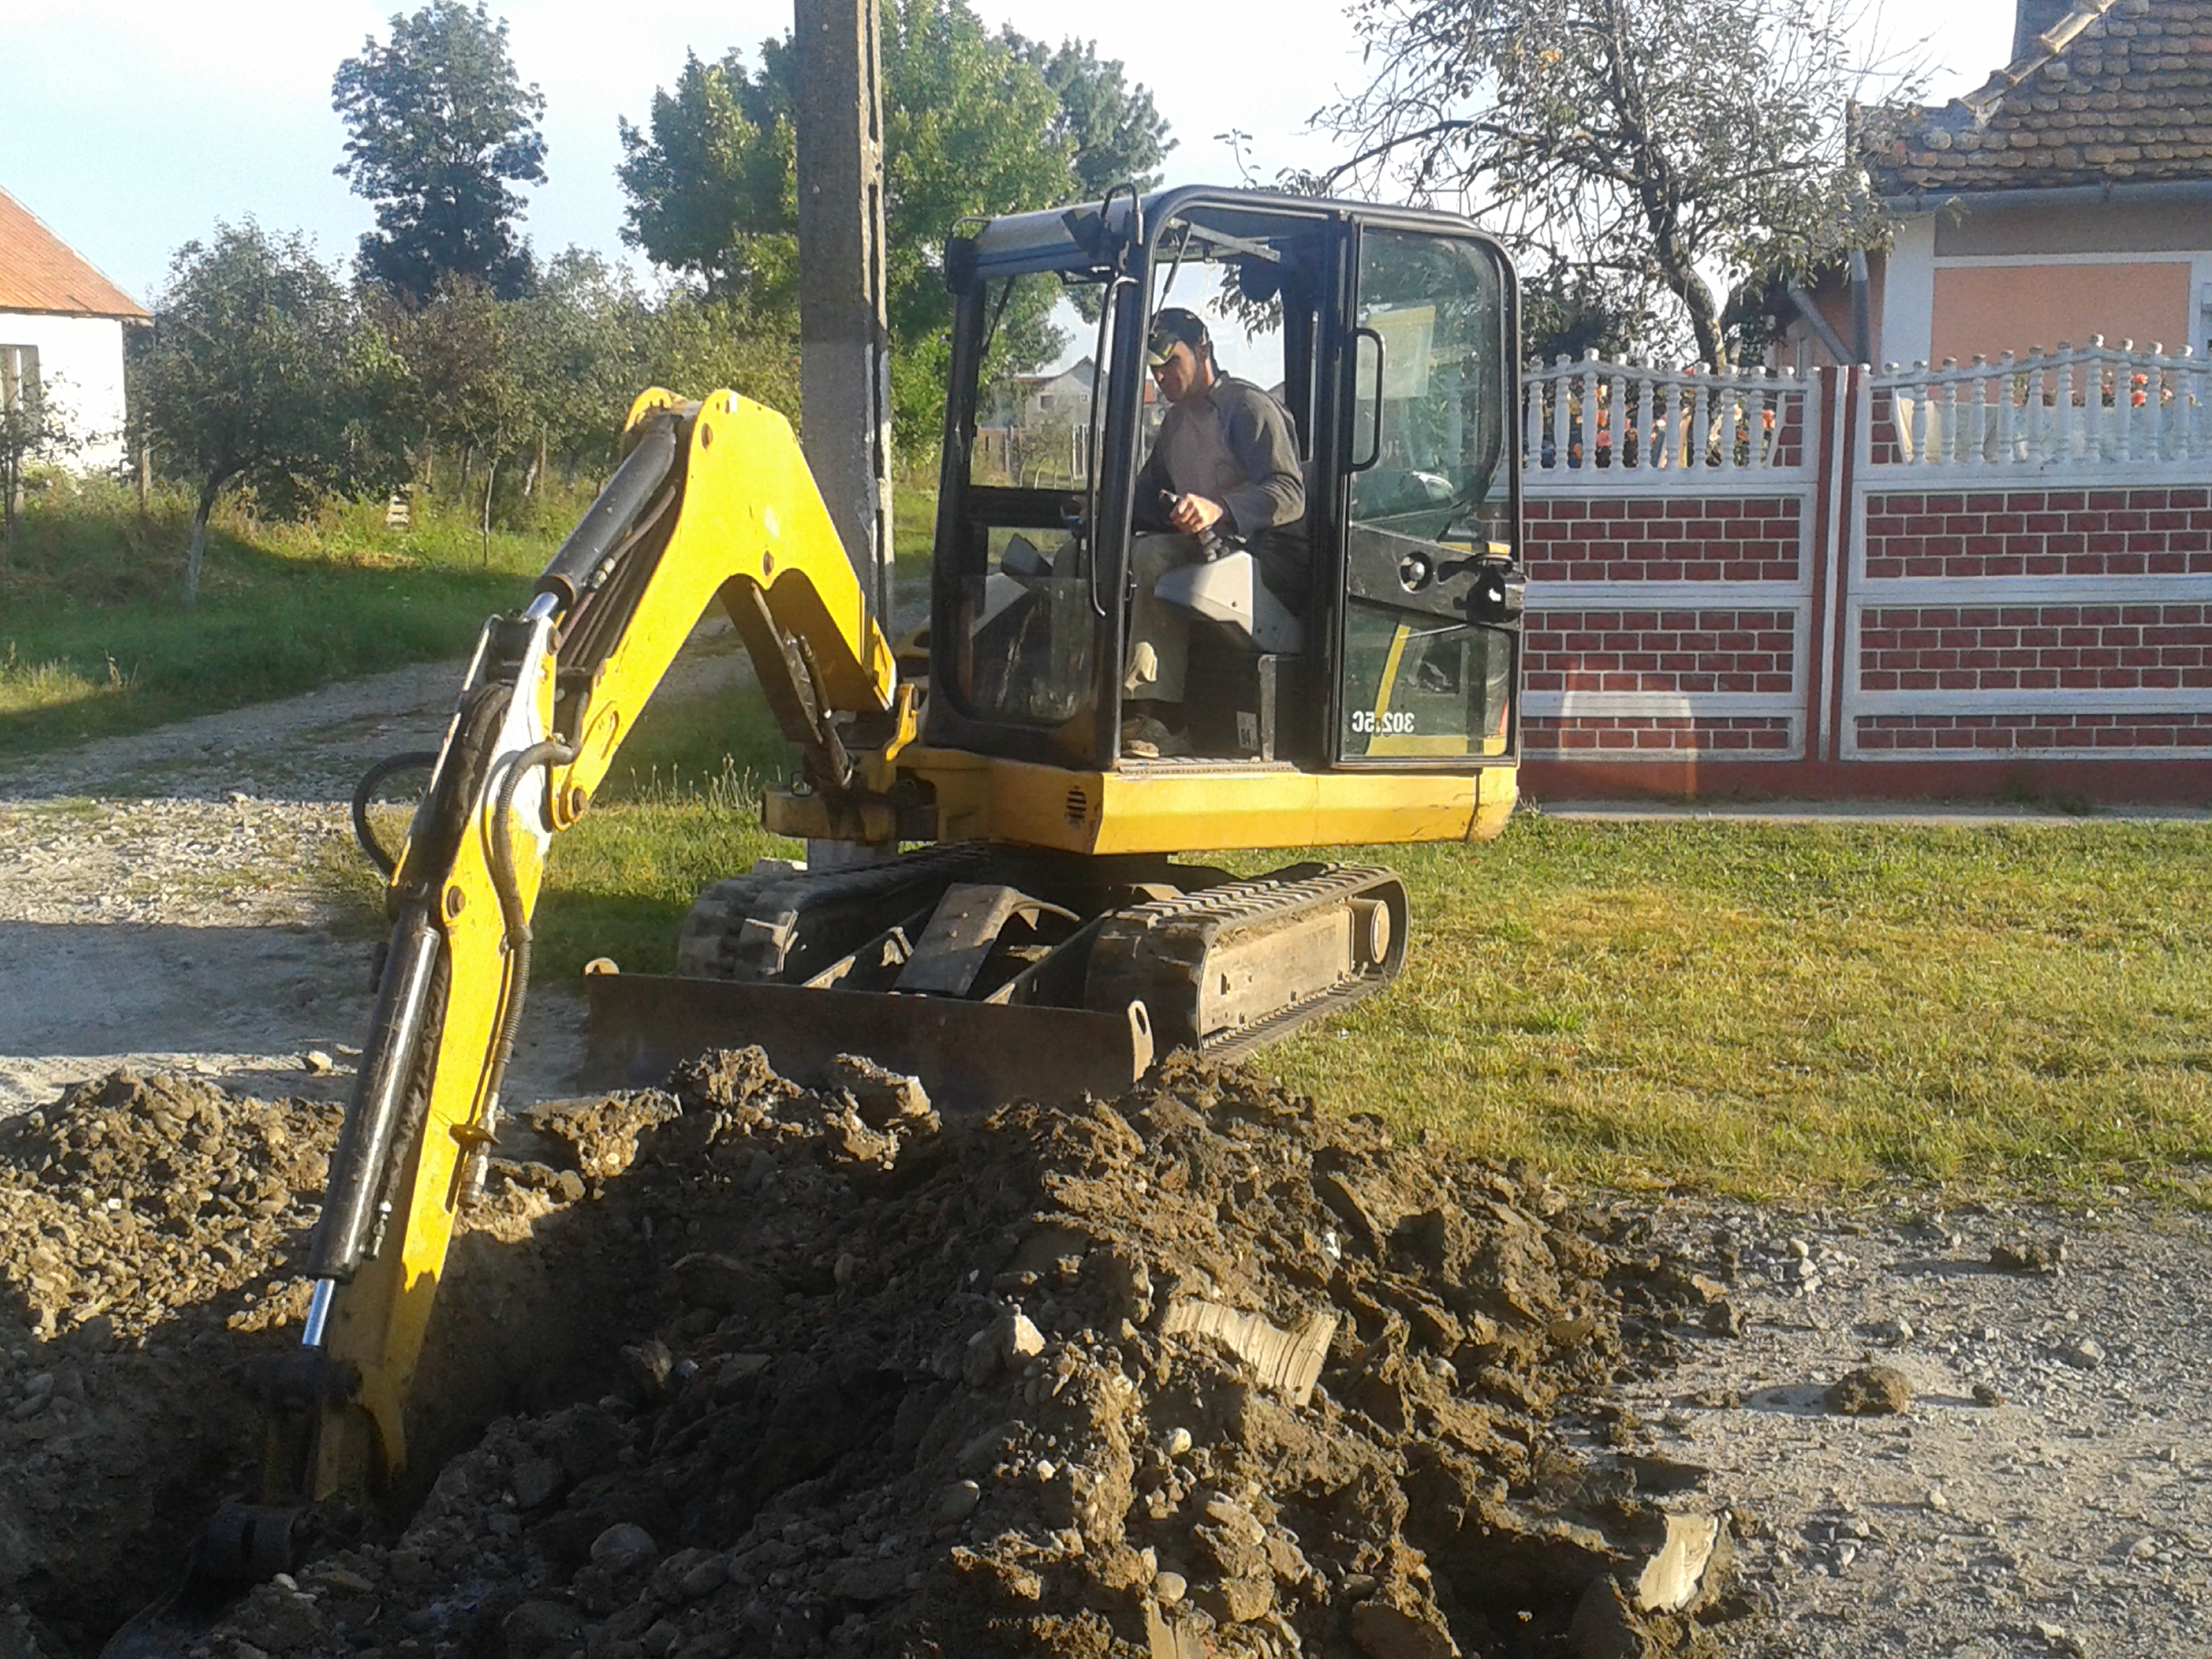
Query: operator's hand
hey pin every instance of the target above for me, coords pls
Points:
(1193, 513)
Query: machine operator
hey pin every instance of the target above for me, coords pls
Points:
(1225, 466)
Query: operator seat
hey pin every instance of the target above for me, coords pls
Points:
(1228, 591)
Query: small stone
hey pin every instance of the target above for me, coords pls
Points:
(959, 1501)
(1724, 1318)
(1986, 1395)
(624, 1547)
(539, 1627)
(649, 1364)
(1938, 1500)
(1869, 1391)
(1169, 1587)
(1380, 1630)
(2028, 1254)
(534, 1482)
(1178, 1442)
(2083, 1356)
(319, 1063)
(1895, 1332)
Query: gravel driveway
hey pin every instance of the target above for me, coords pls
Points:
(2046, 1489)
(164, 897)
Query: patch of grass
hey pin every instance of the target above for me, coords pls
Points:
(1791, 1009)
(96, 640)
(1787, 1010)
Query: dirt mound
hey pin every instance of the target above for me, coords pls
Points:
(1196, 1372)
(148, 1232)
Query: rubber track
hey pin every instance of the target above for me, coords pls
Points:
(714, 944)
(1157, 952)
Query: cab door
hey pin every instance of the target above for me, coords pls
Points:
(1428, 652)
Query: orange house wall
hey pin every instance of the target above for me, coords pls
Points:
(1994, 309)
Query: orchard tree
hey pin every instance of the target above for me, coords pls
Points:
(1693, 148)
(259, 374)
(710, 182)
(441, 125)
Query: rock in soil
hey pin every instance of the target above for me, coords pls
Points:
(1195, 1372)
(1869, 1391)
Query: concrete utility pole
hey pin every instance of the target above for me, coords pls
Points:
(844, 336)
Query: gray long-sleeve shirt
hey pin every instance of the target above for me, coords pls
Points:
(1233, 446)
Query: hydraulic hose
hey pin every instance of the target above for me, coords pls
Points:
(364, 792)
(509, 889)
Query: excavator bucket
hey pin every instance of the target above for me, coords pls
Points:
(970, 1056)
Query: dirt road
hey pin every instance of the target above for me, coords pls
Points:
(164, 897)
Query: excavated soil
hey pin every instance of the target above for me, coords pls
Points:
(808, 1371)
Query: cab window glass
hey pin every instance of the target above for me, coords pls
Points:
(1432, 310)
(1026, 627)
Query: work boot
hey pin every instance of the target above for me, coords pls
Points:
(1148, 739)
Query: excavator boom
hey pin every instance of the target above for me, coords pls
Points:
(712, 501)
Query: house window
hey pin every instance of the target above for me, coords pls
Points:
(18, 376)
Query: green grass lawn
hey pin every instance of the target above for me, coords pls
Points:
(1787, 1009)
(95, 639)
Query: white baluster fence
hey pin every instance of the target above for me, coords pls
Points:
(1943, 579)
(2109, 410)
(1623, 421)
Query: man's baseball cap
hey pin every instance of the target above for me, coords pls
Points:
(1172, 327)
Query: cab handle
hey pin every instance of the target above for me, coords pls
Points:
(1375, 444)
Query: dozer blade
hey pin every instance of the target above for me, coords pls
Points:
(970, 1056)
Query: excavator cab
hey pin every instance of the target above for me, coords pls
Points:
(1377, 632)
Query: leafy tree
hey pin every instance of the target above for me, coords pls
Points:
(1118, 134)
(440, 124)
(259, 374)
(973, 124)
(1686, 148)
(469, 386)
(711, 184)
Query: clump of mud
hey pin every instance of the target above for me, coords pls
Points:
(1196, 1372)
(149, 1230)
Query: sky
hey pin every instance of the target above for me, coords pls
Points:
(132, 126)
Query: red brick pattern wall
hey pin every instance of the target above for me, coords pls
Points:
(2035, 647)
(1697, 539)
(2142, 532)
(1595, 739)
(2040, 734)
(1658, 650)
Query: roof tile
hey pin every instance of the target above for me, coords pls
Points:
(2113, 89)
(40, 272)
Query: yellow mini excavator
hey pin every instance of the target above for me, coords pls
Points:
(1038, 935)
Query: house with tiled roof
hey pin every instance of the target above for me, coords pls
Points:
(61, 327)
(2069, 196)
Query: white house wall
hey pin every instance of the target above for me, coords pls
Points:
(80, 366)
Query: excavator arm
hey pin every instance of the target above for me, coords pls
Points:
(711, 501)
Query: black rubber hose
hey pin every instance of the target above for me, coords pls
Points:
(365, 791)
(576, 569)
(504, 882)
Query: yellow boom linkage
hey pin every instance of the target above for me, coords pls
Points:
(743, 521)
